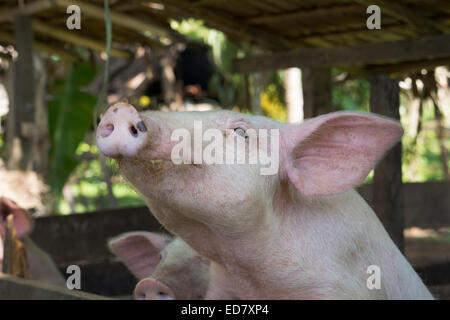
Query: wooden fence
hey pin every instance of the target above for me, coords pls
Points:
(82, 238)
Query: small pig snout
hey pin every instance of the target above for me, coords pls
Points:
(152, 289)
(121, 132)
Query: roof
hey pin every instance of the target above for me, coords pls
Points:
(273, 25)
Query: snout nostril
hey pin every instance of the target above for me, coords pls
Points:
(133, 131)
(106, 130)
(141, 126)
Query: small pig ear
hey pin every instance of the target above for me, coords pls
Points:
(140, 251)
(22, 221)
(333, 153)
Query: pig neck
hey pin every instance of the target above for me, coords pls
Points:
(316, 248)
(333, 240)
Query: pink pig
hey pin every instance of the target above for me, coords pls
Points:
(166, 269)
(302, 233)
(41, 266)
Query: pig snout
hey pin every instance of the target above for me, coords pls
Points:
(152, 289)
(121, 131)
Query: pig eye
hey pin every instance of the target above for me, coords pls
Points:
(240, 132)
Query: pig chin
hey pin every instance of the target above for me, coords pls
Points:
(158, 177)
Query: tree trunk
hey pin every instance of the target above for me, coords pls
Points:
(442, 140)
(41, 144)
(294, 95)
(442, 76)
(23, 109)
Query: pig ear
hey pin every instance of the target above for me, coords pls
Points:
(22, 221)
(140, 251)
(333, 153)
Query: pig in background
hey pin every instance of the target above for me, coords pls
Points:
(303, 233)
(167, 268)
(41, 267)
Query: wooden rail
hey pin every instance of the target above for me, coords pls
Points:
(83, 237)
(12, 288)
(427, 205)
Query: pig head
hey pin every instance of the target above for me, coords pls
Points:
(300, 233)
(166, 268)
(41, 266)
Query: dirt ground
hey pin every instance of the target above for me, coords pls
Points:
(429, 252)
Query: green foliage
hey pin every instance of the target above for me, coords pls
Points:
(352, 94)
(421, 155)
(70, 115)
(89, 188)
(271, 103)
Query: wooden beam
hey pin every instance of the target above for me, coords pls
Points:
(228, 24)
(403, 13)
(431, 47)
(26, 9)
(354, 35)
(64, 54)
(401, 69)
(309, 14)
(388, 196)
(72, 37)
(117, 18)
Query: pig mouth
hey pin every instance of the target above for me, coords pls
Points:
(153, 167)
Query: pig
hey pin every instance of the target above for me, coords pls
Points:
(167, 269)
(300, 233)
(41, 266)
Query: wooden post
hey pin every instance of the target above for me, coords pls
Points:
(317, 98)
(387, 182)
(23, 108)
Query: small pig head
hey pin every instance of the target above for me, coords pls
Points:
(40, 266)
(22, 222)
(166, 269)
